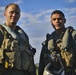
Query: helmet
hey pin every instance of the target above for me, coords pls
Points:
(50, 71)
(47, 71)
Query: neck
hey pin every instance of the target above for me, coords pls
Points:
(12, 25)
(59, 31)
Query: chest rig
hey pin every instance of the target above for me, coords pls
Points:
(14, 51)
(63, 46)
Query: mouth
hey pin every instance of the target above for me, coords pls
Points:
(57, 25)
(14, 19)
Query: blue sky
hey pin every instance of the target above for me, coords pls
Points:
(35, 18)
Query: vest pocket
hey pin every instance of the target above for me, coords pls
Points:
(9, 58)
(23, 60)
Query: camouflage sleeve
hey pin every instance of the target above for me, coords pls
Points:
(1, 38)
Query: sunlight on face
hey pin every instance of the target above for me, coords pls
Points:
(57, 21)
(12, 14)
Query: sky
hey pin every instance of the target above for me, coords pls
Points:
(35, 18)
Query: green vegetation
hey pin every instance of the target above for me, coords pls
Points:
(36, 68)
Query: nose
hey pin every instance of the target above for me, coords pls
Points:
(57, 20)
(14, 14)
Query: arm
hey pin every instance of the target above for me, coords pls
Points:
(1, 38)
(1, 52)
(44, 60)
(33, 50)
(74, 40)
(41, 62)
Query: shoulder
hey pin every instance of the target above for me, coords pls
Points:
(45, 42)
(72, 30)
(48, 37)
(74, 33)
(18, 28)
(2, 29)
(1, 34)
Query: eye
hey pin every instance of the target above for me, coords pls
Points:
(59, 18)
(54, 19)
(17, 13)
(11, 12)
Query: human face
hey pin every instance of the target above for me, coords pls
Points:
(12, 15)
(58, 21)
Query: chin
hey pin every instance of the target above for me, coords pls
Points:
(14, 22)
(57, 28)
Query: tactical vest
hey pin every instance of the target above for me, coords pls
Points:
(64, 46)
(15, 53)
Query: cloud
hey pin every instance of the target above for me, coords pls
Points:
(29, 18)
(44, 12)
(33, 24)
(37, 25)
(70, 11)
(2, 19)
(39, 17)
(18, 1)
(70, 1)
(2, 9)
(71, 21)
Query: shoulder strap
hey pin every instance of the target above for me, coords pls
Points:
(67, 38)
(50, 43)
(4, 31)
(18, 28)
(46, 41)
(71, 29)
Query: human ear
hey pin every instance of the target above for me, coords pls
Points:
(4, 13)
(64, 20)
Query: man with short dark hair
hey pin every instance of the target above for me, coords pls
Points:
(58, 50)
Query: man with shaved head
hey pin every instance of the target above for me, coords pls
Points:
(16, 53)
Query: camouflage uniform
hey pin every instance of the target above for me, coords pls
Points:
(48, 50)
(22, 37)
